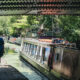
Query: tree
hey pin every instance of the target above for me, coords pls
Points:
(4, 25)
(18, 25)
(69, 25)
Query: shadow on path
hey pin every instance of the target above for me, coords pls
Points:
(10, 73)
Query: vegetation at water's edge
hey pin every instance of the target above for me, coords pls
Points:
(9, 51)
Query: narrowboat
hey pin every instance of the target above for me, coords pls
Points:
(55, 60)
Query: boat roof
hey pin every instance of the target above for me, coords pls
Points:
(38, 42)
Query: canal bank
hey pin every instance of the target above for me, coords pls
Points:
(12, 58)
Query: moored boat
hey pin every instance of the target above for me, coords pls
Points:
(52, 57)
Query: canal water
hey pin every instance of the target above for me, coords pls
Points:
(12, 58)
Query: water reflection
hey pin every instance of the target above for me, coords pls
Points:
(29, 72)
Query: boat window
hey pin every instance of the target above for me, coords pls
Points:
(24, 47)
(43, 55)
(27, 45)
(38, 53)
(57, 57)
(34, 50)
(28, 48)
(41, 51)
(58, 54)
(47, 52)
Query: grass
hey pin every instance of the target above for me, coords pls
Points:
(9, 51)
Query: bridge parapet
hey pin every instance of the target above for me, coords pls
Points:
(43, 7)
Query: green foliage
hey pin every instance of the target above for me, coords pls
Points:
(20, 25)
(47, 21)
(69, 25)
(14, 18)
(4, 25)
(32, 21)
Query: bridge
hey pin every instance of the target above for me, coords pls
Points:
(34, 7)
(39, 7)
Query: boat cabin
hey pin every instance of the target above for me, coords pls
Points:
(57, 57)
